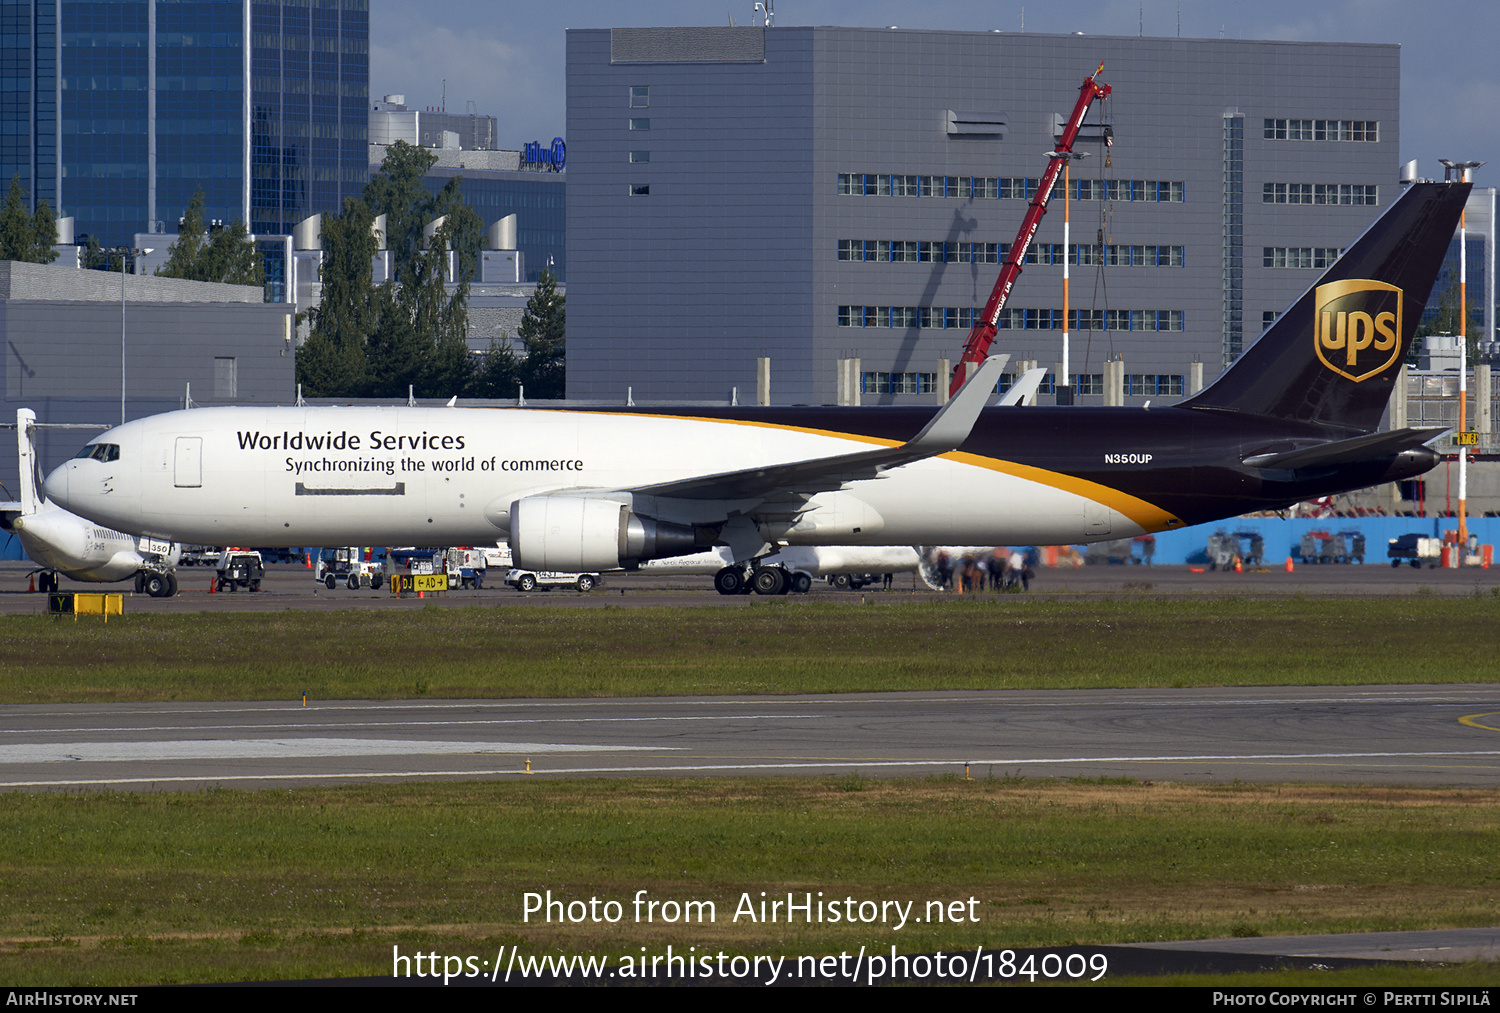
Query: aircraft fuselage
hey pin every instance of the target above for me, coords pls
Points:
(309, 476)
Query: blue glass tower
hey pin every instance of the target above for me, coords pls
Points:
(118, 110)
(28, 96)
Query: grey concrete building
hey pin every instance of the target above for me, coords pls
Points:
(817, 194)
(62, 333)
(391, 121)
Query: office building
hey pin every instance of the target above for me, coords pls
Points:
(117, 111)
(813, 195)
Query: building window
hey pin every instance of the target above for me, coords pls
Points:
(640, 124)
(1153, 385)
(898, 383)
(1318, 257)
(1322, 130)
(640, 189)
(226, 378)
(1320, 193)
(1088, 383)
(640, 156)
(640, 96)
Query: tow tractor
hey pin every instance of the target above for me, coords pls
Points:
(347, 565)
(240, 568)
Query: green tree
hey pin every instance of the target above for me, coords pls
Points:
(227, 255)
(396, 191)
(411, 332)
(543, 333)
(420, 340)
(334, 362)
(44, 234)
(24, 236)
(15, 223)
(496, 372)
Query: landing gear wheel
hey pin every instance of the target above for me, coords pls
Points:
(842, 582)
(801, 583)
(769, 580)
(353, 582)
(171, 585)
(330, 582)
(156, 585)
(527, 583)
(729, 581)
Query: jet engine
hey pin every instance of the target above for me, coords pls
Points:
(574, 534)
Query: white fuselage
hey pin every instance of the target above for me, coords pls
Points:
(818, 560)
(448, 476)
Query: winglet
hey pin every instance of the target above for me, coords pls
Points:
(953, 423)
(1023, 391)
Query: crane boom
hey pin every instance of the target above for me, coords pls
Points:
(976, 348)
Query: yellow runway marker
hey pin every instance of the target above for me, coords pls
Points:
(1472, 720)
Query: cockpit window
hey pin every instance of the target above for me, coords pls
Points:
(99, 452)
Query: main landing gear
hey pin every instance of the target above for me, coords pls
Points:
(156, 584)
(761, 580)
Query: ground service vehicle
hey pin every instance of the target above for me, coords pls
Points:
(240, 568)
(347, 566)
(544, 580)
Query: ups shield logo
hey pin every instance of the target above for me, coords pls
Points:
(1357, 327)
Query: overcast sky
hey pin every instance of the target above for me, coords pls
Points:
(507, 57)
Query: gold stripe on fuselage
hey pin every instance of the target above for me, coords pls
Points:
(1147, 516)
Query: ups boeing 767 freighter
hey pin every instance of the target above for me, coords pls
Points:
(1294, 418)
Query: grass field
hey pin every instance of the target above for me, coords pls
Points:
(775, 647)
(221, 885)
(323, 882)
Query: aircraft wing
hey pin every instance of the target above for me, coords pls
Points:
(1353, 451)
(947, 431)
(1023, 391)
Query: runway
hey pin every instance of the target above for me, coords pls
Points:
(1401, 735)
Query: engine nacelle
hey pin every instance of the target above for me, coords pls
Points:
(573, 534)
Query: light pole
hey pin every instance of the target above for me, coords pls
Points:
(1064, 388)
(1462, 168)
(125, 253)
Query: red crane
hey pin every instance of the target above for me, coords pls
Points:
(983, 335)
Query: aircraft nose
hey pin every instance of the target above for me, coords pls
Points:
(56, 485)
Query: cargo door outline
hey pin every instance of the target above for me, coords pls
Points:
(188, 473)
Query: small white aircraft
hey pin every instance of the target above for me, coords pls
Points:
(799, 564)
(64, 543)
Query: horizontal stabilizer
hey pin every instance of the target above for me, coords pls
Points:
(1373, 447)
(947, 431)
